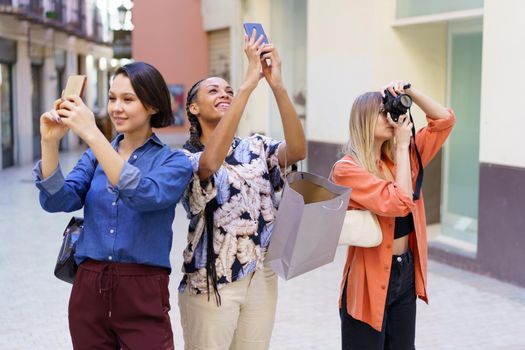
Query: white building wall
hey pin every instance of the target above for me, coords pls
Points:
(503, 74)
(218, 14)
(353, 48)
(256, 114)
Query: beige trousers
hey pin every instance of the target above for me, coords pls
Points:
(244, 321)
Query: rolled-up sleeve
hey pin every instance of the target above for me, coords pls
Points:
(65, 194)
(369, 192)
(52, 184)
(159, 188)
(199, 192)
(431, 138)
(129, 178)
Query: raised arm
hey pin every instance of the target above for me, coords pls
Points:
(77, 116)
(429, 139)
(427, 104)
(221, 139)
(56, 193)
(294, 148)
(51, 132)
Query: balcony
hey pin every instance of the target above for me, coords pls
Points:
(27, 10)
(31, 10)
(56, 13)
(77, 22)
(61, 15)
(7, 6)
(97, 34)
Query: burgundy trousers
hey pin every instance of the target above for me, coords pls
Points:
(120, 306)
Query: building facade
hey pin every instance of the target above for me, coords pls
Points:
(170, 36)
(464, 53)
(42, 42)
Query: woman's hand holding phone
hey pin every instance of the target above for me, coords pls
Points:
(253, 50)
(52, 130)
(272, 71)
(78, 117)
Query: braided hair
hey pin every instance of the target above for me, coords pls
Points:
(194, 145)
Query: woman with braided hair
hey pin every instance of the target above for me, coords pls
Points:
(227, 298)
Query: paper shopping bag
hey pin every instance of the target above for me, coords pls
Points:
(307, 225)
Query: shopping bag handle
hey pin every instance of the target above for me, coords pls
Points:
(339, 207)
(286, 164)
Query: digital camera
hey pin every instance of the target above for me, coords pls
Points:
(396, 105)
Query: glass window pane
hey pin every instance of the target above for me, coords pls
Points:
(462, 167)
(412, 8)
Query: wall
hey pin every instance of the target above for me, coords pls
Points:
(171, 37)
(352, 48)
(503, 73)
(501, 246)
(256, 114)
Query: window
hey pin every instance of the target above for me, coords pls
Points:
(414, 8)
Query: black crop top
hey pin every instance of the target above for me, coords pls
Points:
(404, 226)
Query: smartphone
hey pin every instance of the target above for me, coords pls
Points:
(248, 28)
(74, 86)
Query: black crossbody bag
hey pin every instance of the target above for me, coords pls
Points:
(66, 267)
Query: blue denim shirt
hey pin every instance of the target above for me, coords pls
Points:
(130, 222)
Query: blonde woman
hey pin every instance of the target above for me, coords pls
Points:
(380, 285)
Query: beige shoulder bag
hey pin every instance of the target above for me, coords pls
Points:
(361, 227)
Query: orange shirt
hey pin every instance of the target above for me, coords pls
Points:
(367, 270)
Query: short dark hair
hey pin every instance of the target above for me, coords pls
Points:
(151, 90)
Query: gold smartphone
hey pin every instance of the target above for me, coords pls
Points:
(74, 86)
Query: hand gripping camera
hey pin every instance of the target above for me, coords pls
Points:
(397, 105)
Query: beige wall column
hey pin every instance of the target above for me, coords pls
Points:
(49, 76)
(339, 65)
(255, 119)
(236, 47)
(503, 74)
(71, 69)
(22, 105)
(89, 89)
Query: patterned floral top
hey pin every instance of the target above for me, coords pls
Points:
(245, 189)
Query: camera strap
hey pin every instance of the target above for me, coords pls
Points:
(419, 179)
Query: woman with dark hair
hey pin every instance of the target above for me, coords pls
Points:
(380, 284)
(128, 189)
(227, 298)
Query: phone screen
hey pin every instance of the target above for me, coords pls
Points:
(248, 28)
(75, 85)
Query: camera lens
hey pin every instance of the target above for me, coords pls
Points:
(405, 101)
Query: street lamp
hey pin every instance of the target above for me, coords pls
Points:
(122, 13)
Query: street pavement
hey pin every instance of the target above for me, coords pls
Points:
(466, 310)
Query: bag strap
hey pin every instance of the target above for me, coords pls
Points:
(285, 162)
(419, 178)
(333, 167)
(294, 166)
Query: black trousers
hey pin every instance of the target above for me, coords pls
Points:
(399, 322)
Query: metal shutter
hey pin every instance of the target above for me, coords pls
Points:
(219, 53)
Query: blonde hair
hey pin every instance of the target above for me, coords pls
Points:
(363, 118)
